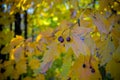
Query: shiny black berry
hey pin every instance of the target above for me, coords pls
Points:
(92, 70)
(68, 39)
(83, 65)
(61, 39)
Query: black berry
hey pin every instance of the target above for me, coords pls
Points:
(90, 67)
(84, 65)
(60, 38)
(68, 39)
(92, 70)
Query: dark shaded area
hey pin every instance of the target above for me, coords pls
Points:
(11, 27)
(1, 10)
(1, 27)
(25, 23)
(3, 57)
(105, 76)
(17, 30)
(69, 78)
(2, 70)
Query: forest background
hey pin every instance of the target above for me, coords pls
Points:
(59, 39)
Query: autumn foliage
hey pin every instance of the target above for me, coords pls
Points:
(59, 39)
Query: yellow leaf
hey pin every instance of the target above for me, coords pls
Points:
(8, 71)
(27, 78)
(34, 64)
(101, 23)
(80, 72)
(67, 61)
(79, 45)
(17, 54)
(105, 51)
(38, 37)
(6, 49)
(21, 66)
(49, 56)
(116, 54)
(40, 77)
(15, 74)
(113, 68)
(16, 41)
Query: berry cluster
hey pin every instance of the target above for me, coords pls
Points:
(61, 39)
(91, 68)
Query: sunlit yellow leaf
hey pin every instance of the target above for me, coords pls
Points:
(38, 37)
(16, 41)
(17, 54)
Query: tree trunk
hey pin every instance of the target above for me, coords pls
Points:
(1, 10)
(25, 23)
(17, 30)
